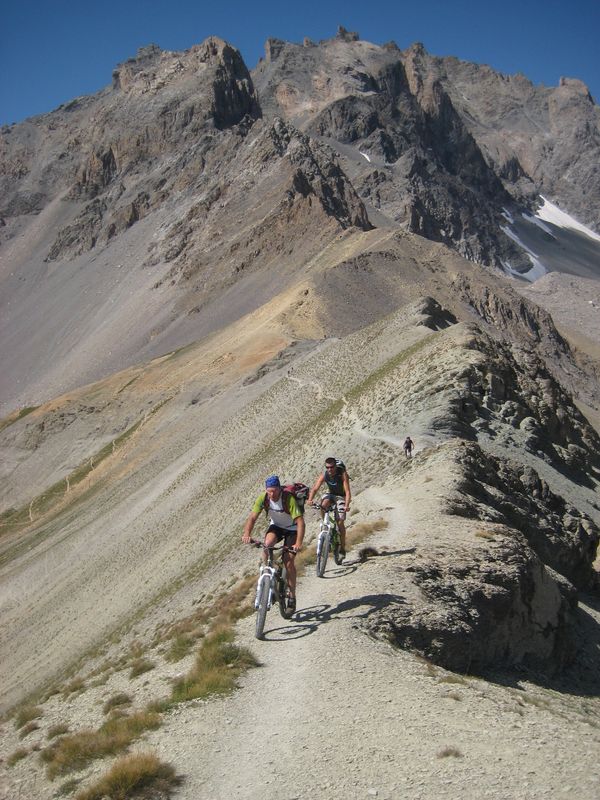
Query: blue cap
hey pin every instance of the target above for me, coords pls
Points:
(272, 481)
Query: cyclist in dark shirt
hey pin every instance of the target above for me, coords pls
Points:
(338, 493)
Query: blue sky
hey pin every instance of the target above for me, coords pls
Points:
(54, 50)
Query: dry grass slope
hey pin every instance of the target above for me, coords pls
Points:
(140, 775)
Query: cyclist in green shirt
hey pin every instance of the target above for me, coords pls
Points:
(285, 523)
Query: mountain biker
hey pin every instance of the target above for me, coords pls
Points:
(338, 493)
(285, 522)
(408, 447)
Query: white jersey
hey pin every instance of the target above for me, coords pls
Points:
(280, 517)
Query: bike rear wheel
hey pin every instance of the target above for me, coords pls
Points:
(336, 546)
(263, 607)
(322, 554)
(336, 552)
(285, 612)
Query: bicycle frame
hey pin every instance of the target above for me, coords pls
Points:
(270, 587)
(328, 539)
(268, 574)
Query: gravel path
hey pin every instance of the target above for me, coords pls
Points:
(334, 714)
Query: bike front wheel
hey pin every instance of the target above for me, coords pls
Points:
(262, 607)
(322, 554)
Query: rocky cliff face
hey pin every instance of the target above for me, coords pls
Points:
(538, 140)
(420, 165)
(438, 146)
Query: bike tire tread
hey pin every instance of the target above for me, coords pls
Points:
(261, 611)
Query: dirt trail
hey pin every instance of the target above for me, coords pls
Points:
(334, 714)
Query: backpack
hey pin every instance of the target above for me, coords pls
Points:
(298, 490)
(341, 467)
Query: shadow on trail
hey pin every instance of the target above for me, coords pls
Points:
(356, 608)
(340, 571)
(308, 620)
(289, 632)
(368, 553)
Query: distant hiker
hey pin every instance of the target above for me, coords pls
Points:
(338, 493)
(285, 522)
(408, 447)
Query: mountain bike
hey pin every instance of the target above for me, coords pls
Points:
(271, 586)
(328, 539)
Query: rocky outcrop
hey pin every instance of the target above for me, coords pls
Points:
(308, 188)
(494, 490)
(520, 392)
(498, 588)
(131, 145)
(536, 139)
(431, 176)
(318, 174)
(445, 155)
(494, 610)
(509, 313)
(507, 394)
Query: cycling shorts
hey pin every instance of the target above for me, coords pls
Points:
(339, 503)
(289, 537)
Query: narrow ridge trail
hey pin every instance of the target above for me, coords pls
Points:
(332, 713)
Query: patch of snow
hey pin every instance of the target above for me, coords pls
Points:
(537, 270)
(551, 213)
(365, 155)
(536, 221)
(507, 215)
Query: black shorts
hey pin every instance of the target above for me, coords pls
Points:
(289, 537)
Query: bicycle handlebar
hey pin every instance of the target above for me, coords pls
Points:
(283, 547)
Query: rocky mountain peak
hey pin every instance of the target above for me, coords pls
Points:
(347, 36)
(576, 86)
(273, 48)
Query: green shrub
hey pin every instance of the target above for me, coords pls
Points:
(27, 729)
(120, 699)
(218, 665)
(139, 666)
(138, 774)
(75, 751)
(17, 755)
(57, 730)
(26, 714)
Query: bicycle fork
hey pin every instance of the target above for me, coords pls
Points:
(324, 537)
(267, 575)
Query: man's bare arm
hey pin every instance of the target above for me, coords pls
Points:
(315, 489)
(249, 526)
(347, 491)
(300, 535)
